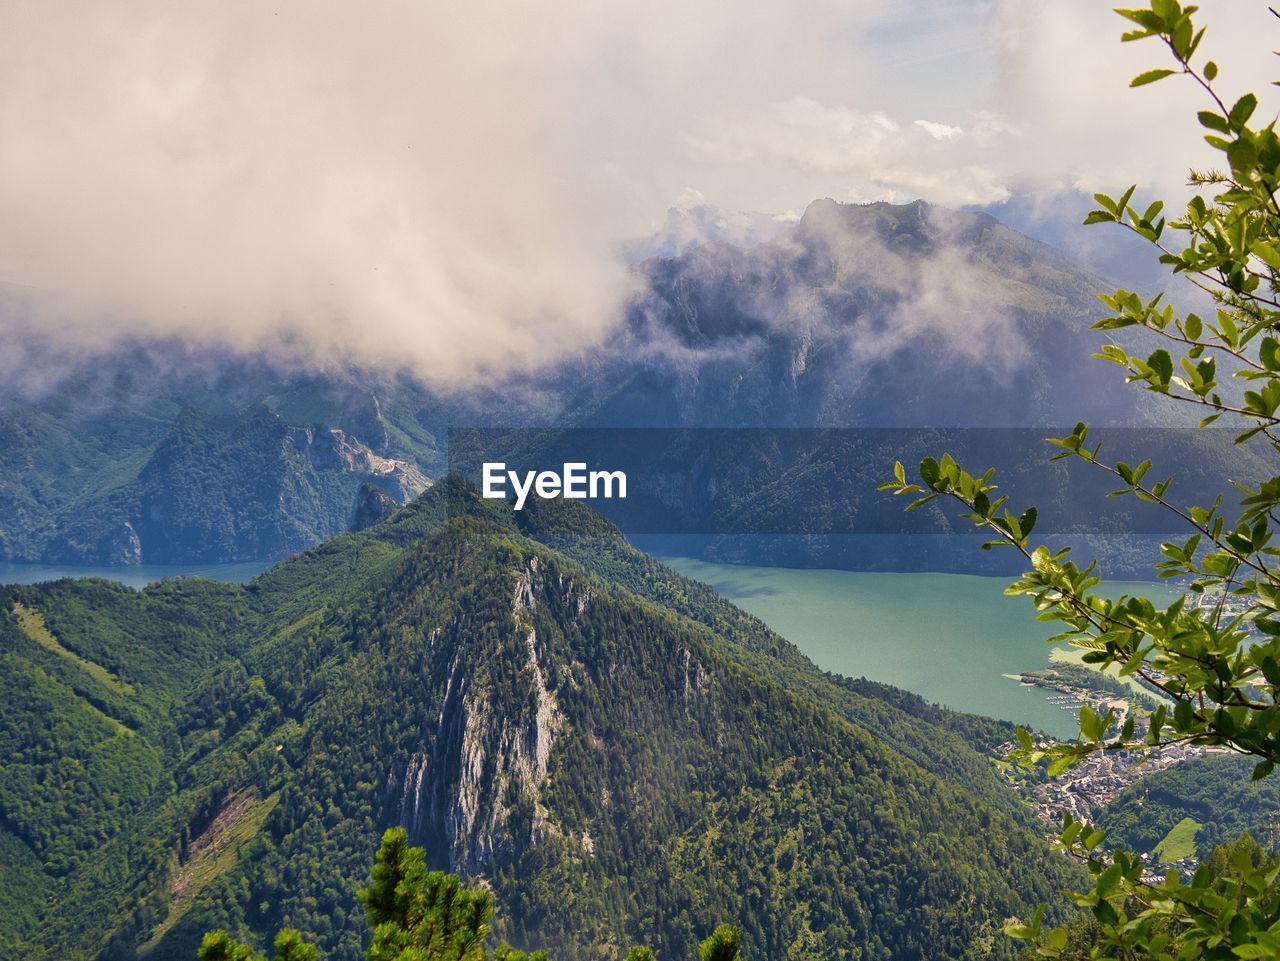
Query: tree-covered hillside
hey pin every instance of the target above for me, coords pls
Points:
(1218, 793)
(621, 757)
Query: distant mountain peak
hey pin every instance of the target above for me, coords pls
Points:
(918, 226)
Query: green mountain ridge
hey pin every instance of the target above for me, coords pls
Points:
(211, 488)
(619, 754)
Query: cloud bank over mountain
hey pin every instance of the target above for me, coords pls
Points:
(447, 188)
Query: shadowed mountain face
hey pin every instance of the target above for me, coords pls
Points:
(618, 753)
(212, 488)
(876, 315)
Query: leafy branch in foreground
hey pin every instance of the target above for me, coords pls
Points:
(421, 915)
(1216, 665)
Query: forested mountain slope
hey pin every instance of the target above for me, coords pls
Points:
(620, 755)
(1217, 792)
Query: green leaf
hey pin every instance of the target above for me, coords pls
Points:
(1243, 110)
(1267, 254)
(1059, 764)
(1252, 951)
(930, 471)
(1150, 76)
(1162, 364)
(1105, 913)
(1269, 353)
(1125, 197)
(1147, 19)
(1091, 726)
(1028, 520)
(1214, 121)
(1108, 880)
(1183, 715)
(1242, 155)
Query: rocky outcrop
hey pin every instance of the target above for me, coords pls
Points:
(120, 547)
(331, 448)
(372, 506)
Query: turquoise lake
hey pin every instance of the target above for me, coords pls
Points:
(135, 577)
(948, 637)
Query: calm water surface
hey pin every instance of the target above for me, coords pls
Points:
(948, 637)
(133, 576)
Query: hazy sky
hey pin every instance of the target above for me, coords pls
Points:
(444, 185)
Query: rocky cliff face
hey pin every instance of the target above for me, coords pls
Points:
(228, 488)
(332, 449)
(372, 506)
(120, 547)
(479, 784)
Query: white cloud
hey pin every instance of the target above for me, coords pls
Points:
(444, 186)
(436, 185)
(939, 131)
(382, 183)
(877, 157)
(1037, 91)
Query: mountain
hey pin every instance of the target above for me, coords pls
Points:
(213, 488)
(876, 315)
(1055, 215)
(861, 315)
(618, 754)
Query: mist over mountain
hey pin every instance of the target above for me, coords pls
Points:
(693, 222)
(866, 315)
(875, 315)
